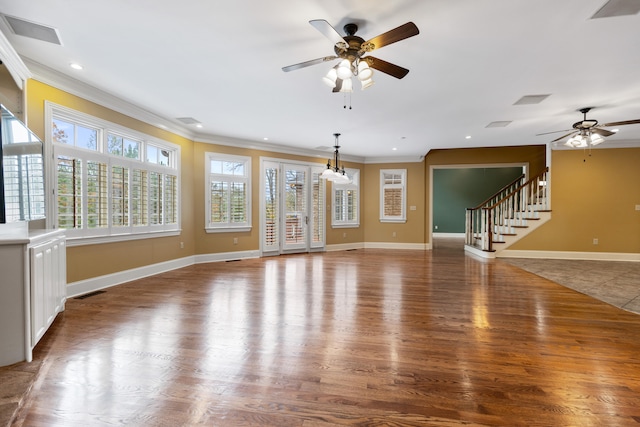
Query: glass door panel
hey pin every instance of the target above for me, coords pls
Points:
(296, 217)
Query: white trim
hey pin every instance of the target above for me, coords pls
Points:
(101, 282)
(75, 87)
(108, 280)
(569, 255)
(227, 227)
(14, 63)
(275, 148)
(226, 256)
(401, 159)
(82, 241)
(344, 247)
(387, 245)
(449, 235)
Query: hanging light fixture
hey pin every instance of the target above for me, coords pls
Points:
(339, 77)
(335, 173)
(584, 139)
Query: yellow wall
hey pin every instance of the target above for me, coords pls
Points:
(89, 261)
(411, 231)
(591, 197)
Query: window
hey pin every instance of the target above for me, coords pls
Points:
(112, 182)
(228, 193)
(346, 202)
(393, 191)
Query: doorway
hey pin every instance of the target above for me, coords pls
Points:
(292, 206)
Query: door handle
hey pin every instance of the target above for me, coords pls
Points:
(306, 220)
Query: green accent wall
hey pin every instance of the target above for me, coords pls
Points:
(455, 190)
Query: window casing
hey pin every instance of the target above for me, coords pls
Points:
(346, 202)
(227, 192)
(393, 195)
(107, 185)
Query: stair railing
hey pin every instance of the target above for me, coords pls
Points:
(506, 210)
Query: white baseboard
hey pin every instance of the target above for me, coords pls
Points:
(344, 247)
(588, 256)
(387, 245)
(449, 235)
(226, 256)
(108, 280)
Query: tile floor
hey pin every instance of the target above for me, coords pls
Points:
(614, 282)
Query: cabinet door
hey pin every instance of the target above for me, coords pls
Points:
(38, 295)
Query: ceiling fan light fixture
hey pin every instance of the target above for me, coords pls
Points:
(366, 84)
(330, 78)
(347, 86)
(344, 69)
(364, 72)
(595, 139)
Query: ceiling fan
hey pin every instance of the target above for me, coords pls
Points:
(351, 51)
(587, 132)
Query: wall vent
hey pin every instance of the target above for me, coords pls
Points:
(188, 120)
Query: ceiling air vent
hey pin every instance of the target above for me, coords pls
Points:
(531, 99)
(32, 30)
(618, 8)
(188, 120)
(499, 124)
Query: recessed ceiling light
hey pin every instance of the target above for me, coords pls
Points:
(76, 66)
(615, 130)
(394, 149)
(468, 137)
(265, 138)
(199, 125)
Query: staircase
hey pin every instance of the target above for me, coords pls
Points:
(513, 212)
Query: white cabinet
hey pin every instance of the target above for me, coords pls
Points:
(32, 289)
(47, 285)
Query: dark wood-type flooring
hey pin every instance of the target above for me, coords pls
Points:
(364, 337)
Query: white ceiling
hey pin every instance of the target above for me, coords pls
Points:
(220, 63)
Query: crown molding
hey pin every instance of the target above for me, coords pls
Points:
(13, 62)
(61, 81)
(276, 148)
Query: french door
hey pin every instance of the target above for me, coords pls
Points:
(292, 207)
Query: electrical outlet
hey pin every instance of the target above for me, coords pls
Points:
(181, 245)
(436, 227)
(393, 234)
(235, 240)
(595, 240)
(638, 207)
(344, 235)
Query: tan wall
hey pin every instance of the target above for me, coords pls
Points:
(211, 243)
(89, 261)
(591, 197)
(411, 231)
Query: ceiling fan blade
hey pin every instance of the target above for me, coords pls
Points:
(555, 131)
(400, 33)
(327, 30)
(386, 67)
(564, 136)
(626, 122)
(602, 132)
(308, 63)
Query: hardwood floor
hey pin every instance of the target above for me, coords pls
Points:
(365, 337)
